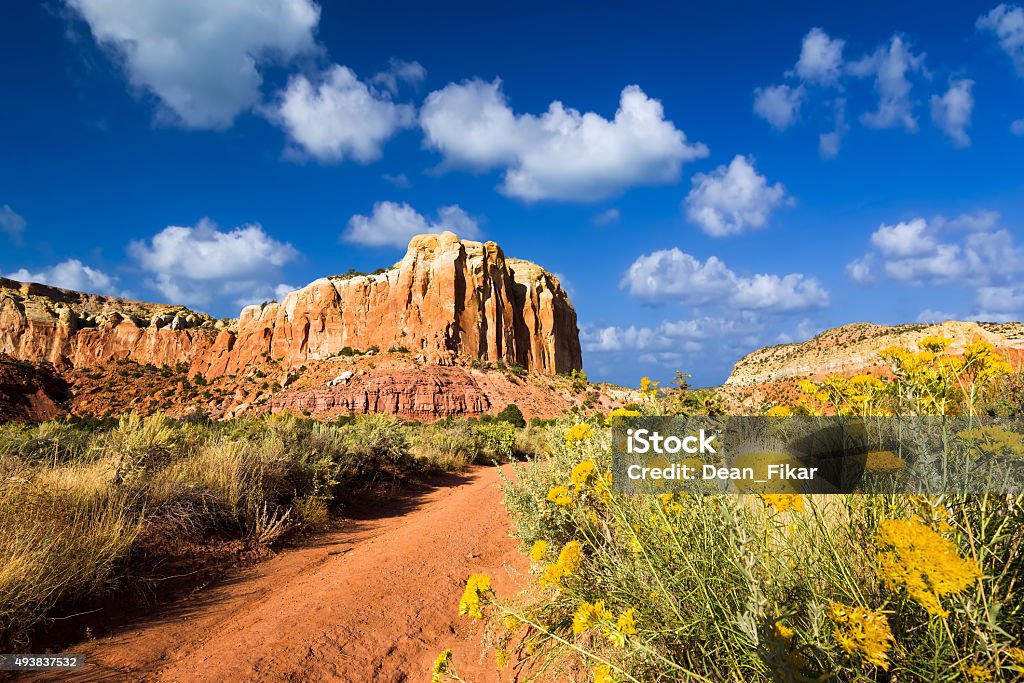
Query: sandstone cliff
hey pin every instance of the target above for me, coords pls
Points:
(854, 348)
(447, 299)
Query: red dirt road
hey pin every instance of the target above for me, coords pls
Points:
(374, 600)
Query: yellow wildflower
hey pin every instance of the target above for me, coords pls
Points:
(569, 558)
(1016, 656)
(648, 388)
(976, 672)
(783, 502)
(916, 558)
(511, 622)
(935, 343)
(625, 626)
(862, 631)
(583, 473)
(603, 674)
(559, 495)
(577, 434)
(779, 411)
(783, 632)
(884, 462)
(478, 586)
(620, 412)
(589, 615)
(538, 550)
(442, 666)
(501, 658)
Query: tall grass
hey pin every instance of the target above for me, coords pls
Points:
(75, 499)
(748, 588)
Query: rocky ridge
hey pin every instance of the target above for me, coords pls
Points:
(854, 348)
(446, 299)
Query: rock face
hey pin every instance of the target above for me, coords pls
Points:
(447, 299)
(30, 393)
(854, 348)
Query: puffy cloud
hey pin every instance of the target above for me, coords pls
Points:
(202, 265)
(398, 72)
(561, 154)
(732, 199)
(821, 58)
(70, 274)
(671, 273)
(1007, 23)
(971, 249)
(891, 65)
(1017, 127)
(674, 274)
(689, 335)
(201, 59)
(951, 112)
(11, 223)
(910, 238)
(339, 116)
(393, 225)
(830, 143)
(779, 105)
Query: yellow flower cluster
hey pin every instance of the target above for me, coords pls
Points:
(916, 558)
(442, 666)
(981, 360)
(620, 412)
(779, 411)
(501, 658)
(578, 434)
(583, 473)
(783, 502)
(559, 495)
(616, 629)
(477, 587)
(862, 631)
(569, 558)
(538, 550)
(976, 672)
(603, 674)
(857, 395)
(648, 388)
(883, 462)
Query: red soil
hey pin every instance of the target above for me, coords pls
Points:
(374, 600)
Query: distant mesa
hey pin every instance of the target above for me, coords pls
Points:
(447, 299)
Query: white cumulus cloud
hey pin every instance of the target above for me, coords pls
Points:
(399, 72)
(672, 274)
(891, 66)
(562, 153)
(951, 112)
(779, 105)
(732, 199)
(202, 265)
(338, 116)
(11, 223)
(821, 58)
(971, 249)
(201, 59)
(392, 224)
(70, 274)
(1007, 23)
(830, 143)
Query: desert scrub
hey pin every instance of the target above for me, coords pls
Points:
(76, 498)
(742, 587)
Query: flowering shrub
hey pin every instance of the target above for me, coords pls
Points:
(772, 587)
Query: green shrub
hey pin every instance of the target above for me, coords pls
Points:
(512, 415)
(497, 440)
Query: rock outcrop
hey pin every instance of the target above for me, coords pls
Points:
(854, 348)
(447, 299)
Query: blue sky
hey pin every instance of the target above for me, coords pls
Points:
(706, 179)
